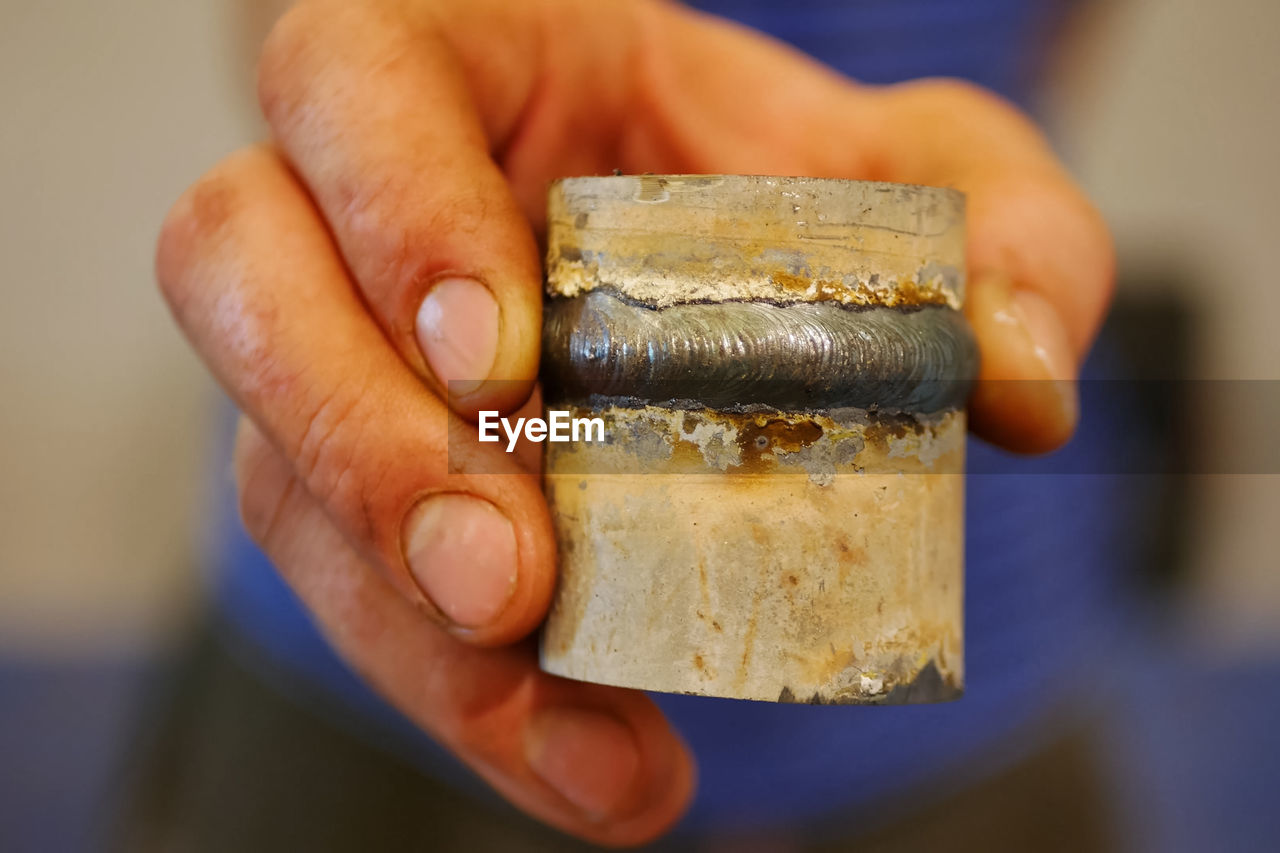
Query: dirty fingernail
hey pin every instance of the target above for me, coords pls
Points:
(461, 552)
(590, 757)
(457, 330)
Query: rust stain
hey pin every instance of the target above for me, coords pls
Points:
(850, 557)
(903, 293)
(747, 443)
(704, 593)
(761, 438)
(910, 292)
(883, 426)
(749, 641)
(577, 257)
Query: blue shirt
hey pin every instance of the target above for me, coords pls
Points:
(1045, 600)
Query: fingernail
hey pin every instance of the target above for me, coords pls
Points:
(1050, 347)
(461, 552)
(1025, 398)
(1036, 347)
(589, 757)
(1048, 336)
(457, 330)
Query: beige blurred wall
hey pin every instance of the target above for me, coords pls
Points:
(110, 109)
(1170, 116)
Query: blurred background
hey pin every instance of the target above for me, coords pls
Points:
(1167, 111)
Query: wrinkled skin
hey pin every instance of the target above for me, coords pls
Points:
(412, 141)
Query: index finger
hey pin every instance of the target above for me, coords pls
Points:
(427, 132)
(387, 120)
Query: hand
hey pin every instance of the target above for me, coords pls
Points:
(384, 244)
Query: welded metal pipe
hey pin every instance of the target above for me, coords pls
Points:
(781, 365)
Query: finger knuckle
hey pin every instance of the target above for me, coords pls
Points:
(306, 38)
(971, 113)
(963, 97)
(329, 458)
(1067, 214)
(408, 238)
(261, 490)
(478, 717)
(285, 48)
(200, 217)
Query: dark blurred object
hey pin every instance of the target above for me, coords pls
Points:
(1151, 328)
(62, 726)
(237, 764)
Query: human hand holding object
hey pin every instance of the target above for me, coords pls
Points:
(384, 244)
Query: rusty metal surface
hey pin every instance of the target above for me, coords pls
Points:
(733, 540)
(663, 240)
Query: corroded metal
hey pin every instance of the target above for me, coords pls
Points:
(780, 364)
(666, 239)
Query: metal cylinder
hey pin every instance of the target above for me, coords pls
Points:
(776, 509)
